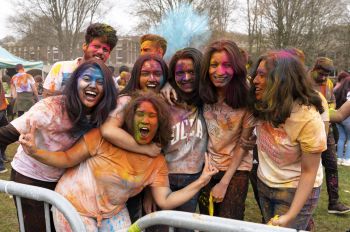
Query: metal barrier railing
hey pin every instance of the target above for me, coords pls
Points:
(48, 197)
(200, 222)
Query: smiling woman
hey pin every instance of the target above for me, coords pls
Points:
(59, 122)
(90, 86)
(223, 87)
(150, 72)
(288, 109)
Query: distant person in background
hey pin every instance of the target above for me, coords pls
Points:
(6, 82)
(3, 122)
(340, 78)
(320, 73)
(123, 78)
(342, 94)
(23, 90)
(153, 44)
(100, 39)
(39, 85)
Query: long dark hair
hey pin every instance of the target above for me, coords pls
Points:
(286, 84)
(164, 132)
(342, 91)
(196, 57)
(237, 89)
(77, 111)
(134, 82)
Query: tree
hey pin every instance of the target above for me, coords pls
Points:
(55, 21)
(305, 24)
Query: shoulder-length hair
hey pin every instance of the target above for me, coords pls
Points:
(164, 132)
(75, 108)
(134, 82)
(342, 92)
(196, 57)
(286, 84)
(237, 89)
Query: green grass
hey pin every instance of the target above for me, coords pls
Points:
(324, 222)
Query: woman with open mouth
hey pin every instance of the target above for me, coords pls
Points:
(102, 177)
(60, 121)
(149, 73)
(185, 152)
(290, 139)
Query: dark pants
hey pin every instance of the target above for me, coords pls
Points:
(329, 162)
(233, 205)
(134, 205)
(33, 211)
(3, 122)
(177, 182)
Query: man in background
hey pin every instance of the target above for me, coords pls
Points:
(320, 73)
(23, 90)
(153, 44)
(100, 39)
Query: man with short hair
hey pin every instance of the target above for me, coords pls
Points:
(323, 67)
(153, 44)
(100, 39)
(23, 90)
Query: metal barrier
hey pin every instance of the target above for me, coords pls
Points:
(48, 197)
(200, 222)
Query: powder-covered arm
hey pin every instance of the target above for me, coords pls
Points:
(60, 159)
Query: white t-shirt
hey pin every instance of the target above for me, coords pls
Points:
(280, 149)
(60, 73)
(53, 124)
(23, 82)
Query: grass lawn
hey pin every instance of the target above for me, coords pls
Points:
(324, 222)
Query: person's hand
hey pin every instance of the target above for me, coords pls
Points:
(218, 192)
(169, 93)
(208, 171)
(282, 221)
(152, 149)
(149, 205)
(248, 144)
(27, 140)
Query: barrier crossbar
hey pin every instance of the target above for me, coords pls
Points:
(194, 221)
(48, 197)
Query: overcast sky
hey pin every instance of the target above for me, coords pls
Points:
(118, 17)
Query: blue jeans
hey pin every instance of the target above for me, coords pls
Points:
(179, 181)
(344, 139)
(277, 201)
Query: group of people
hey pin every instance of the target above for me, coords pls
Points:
(176, 136)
